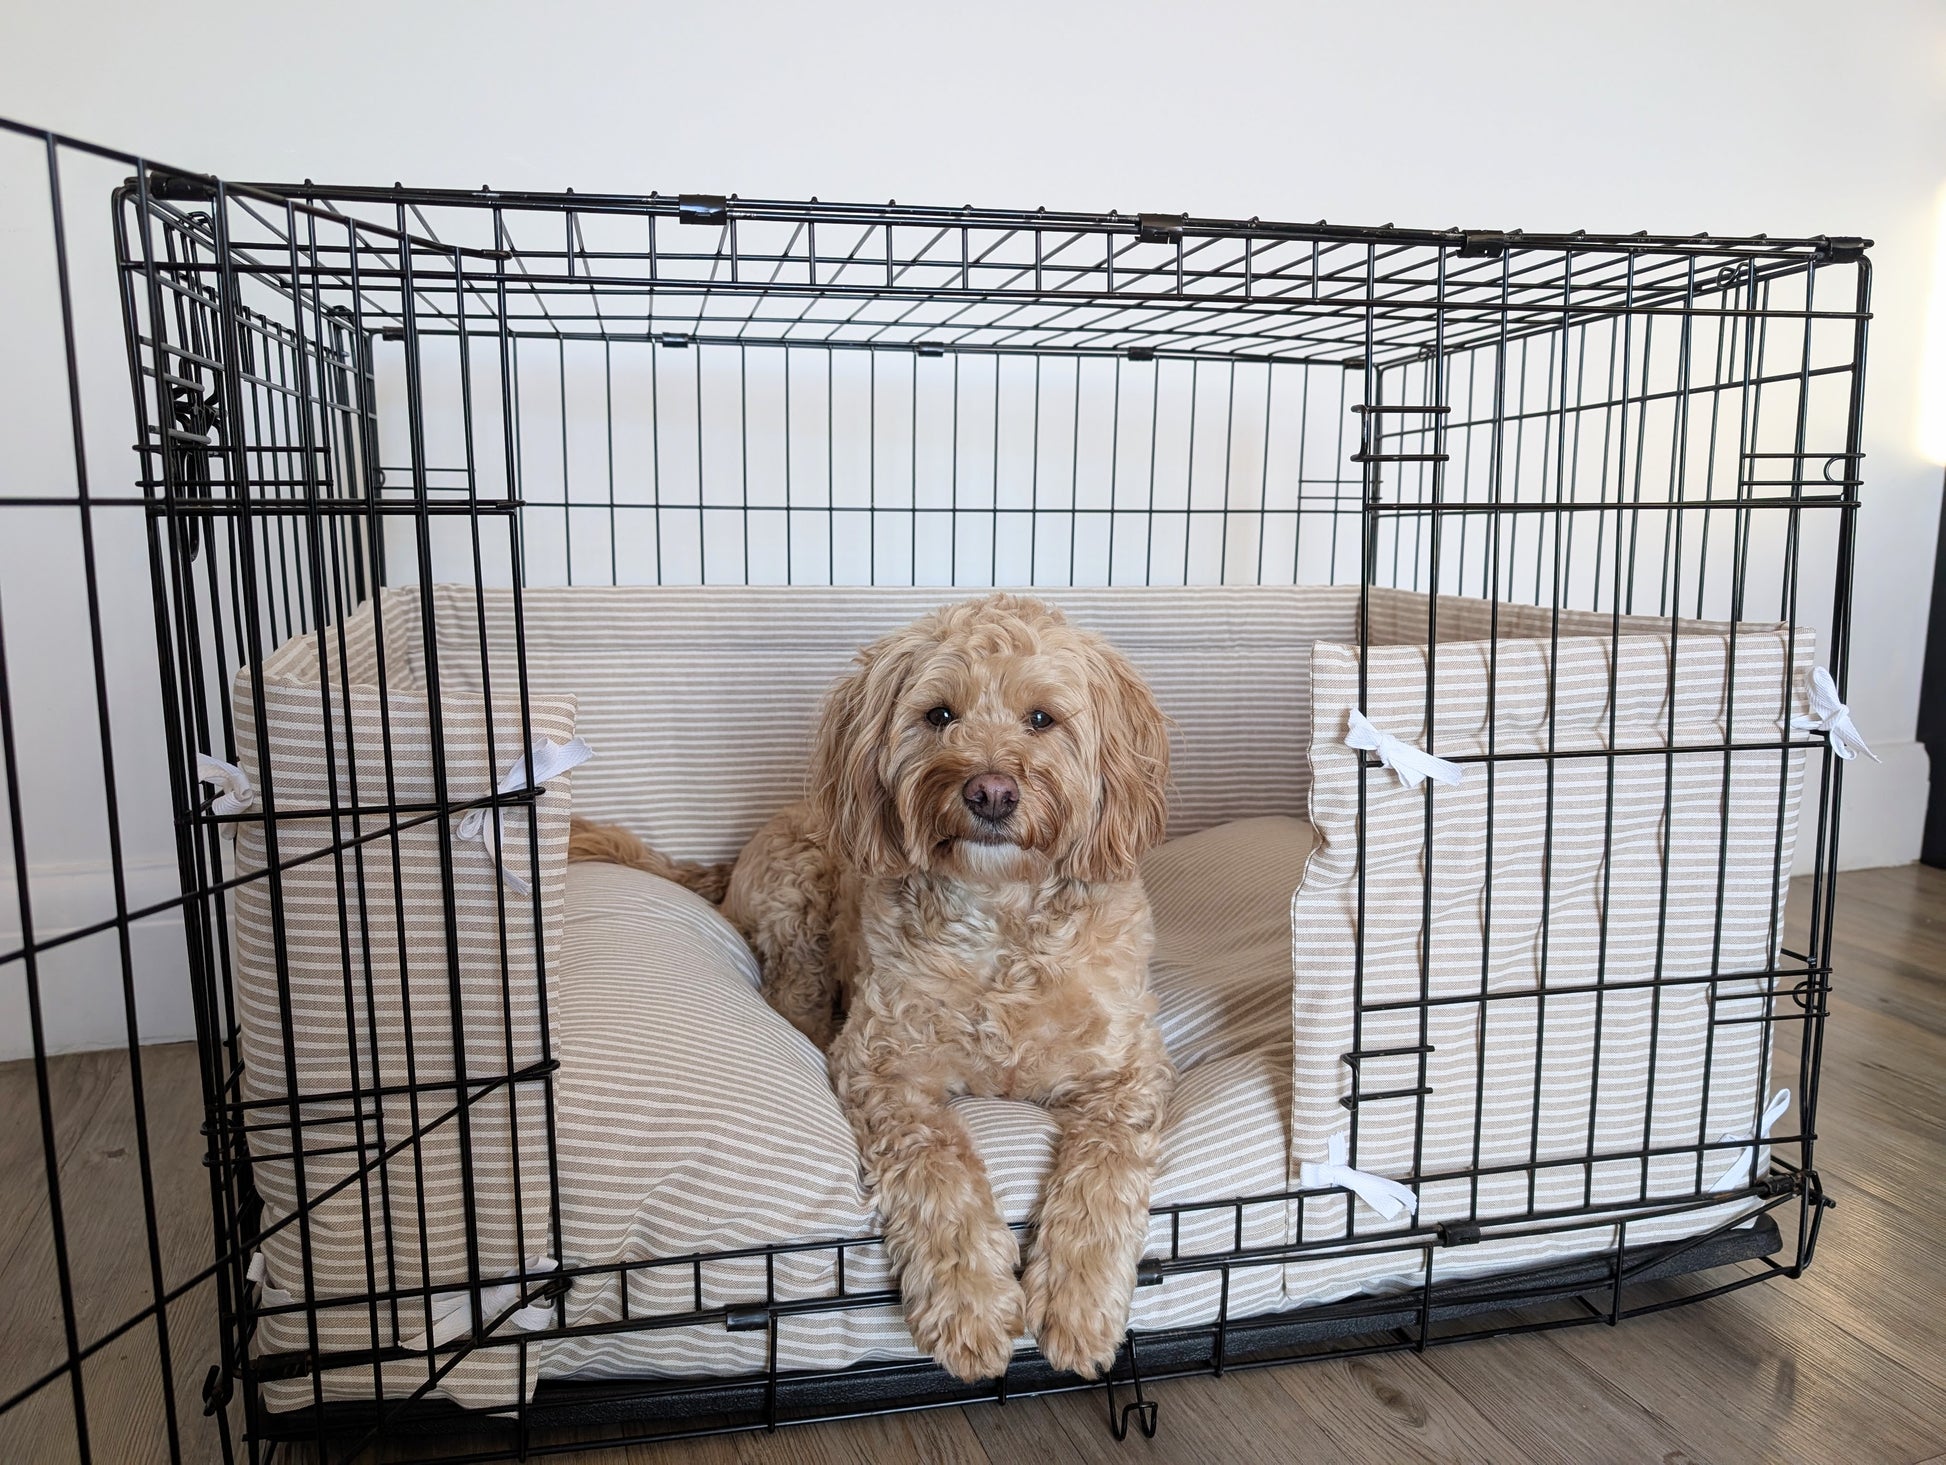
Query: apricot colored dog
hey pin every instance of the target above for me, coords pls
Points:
(955, 909)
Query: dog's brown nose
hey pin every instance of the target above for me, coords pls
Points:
(991, 795)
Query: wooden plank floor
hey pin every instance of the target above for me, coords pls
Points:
(1849, 1362)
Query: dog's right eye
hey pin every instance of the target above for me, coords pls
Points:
(940, 716)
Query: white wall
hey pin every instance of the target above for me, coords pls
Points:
(1736, 117)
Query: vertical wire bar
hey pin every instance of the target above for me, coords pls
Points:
(702, 475)
(1189, 466)
(1568, 490)
(1074, 476)
(743, 453)
(168, 583)
(1229, 457)
(1556, 593)
(1299, 512)
(442, 790)
(1337, 483)
(1672, 547)
(608, 422)
(1114, 445)
(1433, 496)
(1641, 456)
(912, 493)
(993, 527)
(1724, 337)
(1824, 883)
(952, 512)
(790, 513)
(1034, 457)
(830, 472)
(306, 449)
(1727, 788)
(375, 534)
(1625, 350)
(1787, 609)
(37, 1032)
(355, 940)
(655, 433)
(1148, 514)
(252, 649)
(1263, 479)
(111, 805)
(567, 473)
(871, 445)
(1370, 500)
(510, 1090)
(1496, 496)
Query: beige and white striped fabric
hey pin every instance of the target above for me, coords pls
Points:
(694, 1119)
(702, 702)
(374, 988)
(1523, 944)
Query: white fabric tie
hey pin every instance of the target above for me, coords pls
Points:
(1388, 1197)
(452, 1312)
(550, 760)
(1829, 715)
(236, 797)
(1413, 765)
(268, 1296)
(1740, 1173)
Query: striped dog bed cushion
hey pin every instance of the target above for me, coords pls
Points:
(694, 1119)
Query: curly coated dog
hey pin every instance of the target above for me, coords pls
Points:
(955, 909)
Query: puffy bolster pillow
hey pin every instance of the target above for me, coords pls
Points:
(692, 1118)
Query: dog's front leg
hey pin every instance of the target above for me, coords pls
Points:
(1094, 1216)
(951, 1248)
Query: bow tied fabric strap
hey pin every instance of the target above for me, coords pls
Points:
(452, 1312)
(237, 795)
(267, 1295)
(1413, 765)
(548, 759)
(1829, 715)
(1388, 1197)
(1744, 1169)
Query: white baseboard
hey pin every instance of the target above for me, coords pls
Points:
(83, 1004)
(1884, 815)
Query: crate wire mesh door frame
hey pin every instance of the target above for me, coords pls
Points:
(338, 390)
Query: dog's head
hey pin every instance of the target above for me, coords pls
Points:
(992, 740)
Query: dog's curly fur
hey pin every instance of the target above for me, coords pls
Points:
(934, 949)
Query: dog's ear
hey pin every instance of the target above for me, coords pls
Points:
(1132, 811)
(846, 792)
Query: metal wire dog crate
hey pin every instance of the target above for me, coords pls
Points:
(339, 389)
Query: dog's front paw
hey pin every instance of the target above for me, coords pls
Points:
(968, 1320)
(1077, 1316)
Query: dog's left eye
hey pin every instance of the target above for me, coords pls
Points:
(940, 716)
(1039, 721)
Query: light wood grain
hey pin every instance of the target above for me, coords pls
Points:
(1847, 1362)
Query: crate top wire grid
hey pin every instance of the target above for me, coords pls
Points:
(338, 389)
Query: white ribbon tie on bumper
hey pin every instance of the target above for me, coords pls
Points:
(452, 1312)
(550, 760)
(1388, 1197)
(237, 796)
(1413, 765)
(267, 1295)
(1829, 715)
(1740, 1173)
